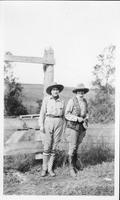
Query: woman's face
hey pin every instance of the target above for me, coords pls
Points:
(55, 92)
(80, 94)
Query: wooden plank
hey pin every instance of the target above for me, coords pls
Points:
(29, 116)
(26, 59)
(15, 144)
(39, 136)
(39, 156)
(23, 147)
(15, 137)
(19, 136)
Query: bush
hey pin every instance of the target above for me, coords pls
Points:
(39, 102)
(14, 106)
(96, 154)
(20, 162)
(13, 99)
(101, 108)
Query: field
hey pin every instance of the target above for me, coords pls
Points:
(34, 92)
(22, 172)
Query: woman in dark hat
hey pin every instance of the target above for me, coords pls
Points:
(51, 123)
(76, 115)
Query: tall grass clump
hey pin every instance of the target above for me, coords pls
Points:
(96, 154)
(20, 162)
(90, 153)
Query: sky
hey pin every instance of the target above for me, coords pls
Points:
(77, 31)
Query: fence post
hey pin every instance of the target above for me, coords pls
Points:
(48, 68)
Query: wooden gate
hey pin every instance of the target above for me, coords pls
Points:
(16, 143)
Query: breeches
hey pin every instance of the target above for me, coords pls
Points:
(53, 132)
(74, 139)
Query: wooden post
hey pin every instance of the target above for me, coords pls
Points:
(48, 68)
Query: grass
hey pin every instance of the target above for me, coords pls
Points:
(93, 180)
(97, 155)
(91, 155)
(97, 146)
(90, 181)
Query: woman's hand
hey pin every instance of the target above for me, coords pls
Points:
(80, 119)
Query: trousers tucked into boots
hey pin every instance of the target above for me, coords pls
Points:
(77, 162)
(48, 161)
(71, 166)
(45, 164)
(53, 131)
(50, 164)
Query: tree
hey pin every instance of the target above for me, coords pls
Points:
(39, 102)
(104, 70)
(102, 108)
(13, 93)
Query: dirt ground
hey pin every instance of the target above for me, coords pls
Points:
(93, 180)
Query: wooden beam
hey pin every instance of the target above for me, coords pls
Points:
(26, 59)
(29, 116)
(16, 144)
(26, 147)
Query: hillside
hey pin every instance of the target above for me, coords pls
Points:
(34, 92)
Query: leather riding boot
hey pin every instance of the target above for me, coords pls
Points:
(45, 165)
(77, 162)
(43, 173)
(50, 165)
(72, 170)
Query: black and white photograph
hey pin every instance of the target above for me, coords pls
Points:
(60, 99)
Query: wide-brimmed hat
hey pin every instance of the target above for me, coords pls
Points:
(54, 85)
(80, 87)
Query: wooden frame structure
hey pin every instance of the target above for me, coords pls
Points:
(14, 144)
(47, 61)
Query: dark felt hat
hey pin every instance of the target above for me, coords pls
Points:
(54, 85)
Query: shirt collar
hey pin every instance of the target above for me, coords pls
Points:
(51, 97)
(79, 99)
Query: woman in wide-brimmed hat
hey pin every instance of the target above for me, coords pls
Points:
(54, 85)
(76, 115)
(80, 88)
(51, 122)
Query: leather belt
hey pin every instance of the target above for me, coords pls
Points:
(53, 116)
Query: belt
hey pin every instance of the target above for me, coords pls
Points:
(53, 116)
